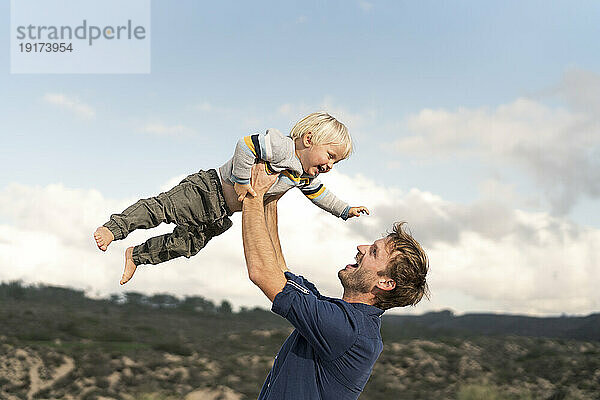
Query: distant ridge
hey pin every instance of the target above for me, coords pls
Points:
(446, 323)
(428, 325)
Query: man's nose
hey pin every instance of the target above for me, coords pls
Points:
(361, 248)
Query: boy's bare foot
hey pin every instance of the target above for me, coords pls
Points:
(103, 237)
(129, 266)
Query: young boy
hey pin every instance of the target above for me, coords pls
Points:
(202, 203)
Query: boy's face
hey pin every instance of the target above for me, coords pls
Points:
(319, 158)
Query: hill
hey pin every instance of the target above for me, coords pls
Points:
(57, 343)
(445, 323)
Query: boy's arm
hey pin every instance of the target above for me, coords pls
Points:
(261, 258)
(244, 157)
(270, 147)
(325, 199)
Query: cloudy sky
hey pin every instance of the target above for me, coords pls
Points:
(476, 122)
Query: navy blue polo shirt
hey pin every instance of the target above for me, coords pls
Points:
(331, 353)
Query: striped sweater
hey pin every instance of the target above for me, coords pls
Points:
(279, 154)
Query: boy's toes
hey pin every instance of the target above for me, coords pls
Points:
(125, 279)
(100, 243)
(103, 237)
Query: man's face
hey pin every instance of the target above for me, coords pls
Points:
(362, 276)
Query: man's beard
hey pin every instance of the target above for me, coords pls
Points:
(355, 282)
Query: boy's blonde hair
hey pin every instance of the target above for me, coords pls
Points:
(325, 129)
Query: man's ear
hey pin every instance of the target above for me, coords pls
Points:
(386, 284)
(307, 139)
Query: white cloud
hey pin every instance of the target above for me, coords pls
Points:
(484, 256)
(285, 109)
(284, 116)
(159, 129)
(356, 122)
(301, 19)
(558, 148)
(329, 105)
(365, 5)
(70, 103)
(218, 114)
(205, 106)
(581, 90)
(172, 182)
(208, 107)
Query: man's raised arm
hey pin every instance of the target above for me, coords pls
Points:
(261, 259)
(272, 227)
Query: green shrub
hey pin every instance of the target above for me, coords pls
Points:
(487, 392)
(173, 348)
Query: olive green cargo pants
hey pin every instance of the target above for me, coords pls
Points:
(196, 205)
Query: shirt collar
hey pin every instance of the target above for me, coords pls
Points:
(368, 309)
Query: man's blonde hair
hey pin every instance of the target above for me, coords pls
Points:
(325, 129)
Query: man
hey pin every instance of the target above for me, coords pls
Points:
(331, 353)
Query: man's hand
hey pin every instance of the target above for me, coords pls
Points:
(261, 181)
(356, 211)
(242, 190)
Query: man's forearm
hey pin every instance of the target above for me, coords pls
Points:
(272, 227)
(261, 260)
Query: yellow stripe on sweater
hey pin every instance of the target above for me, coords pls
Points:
(269, 169)
(316, 194)
(248, 141)
(289, 175)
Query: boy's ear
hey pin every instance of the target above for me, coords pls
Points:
(307, 139)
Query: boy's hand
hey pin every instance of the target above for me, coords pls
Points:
(356, 211)
(242, 190)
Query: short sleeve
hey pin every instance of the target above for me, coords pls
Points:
(327, 325)
(309, 285)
